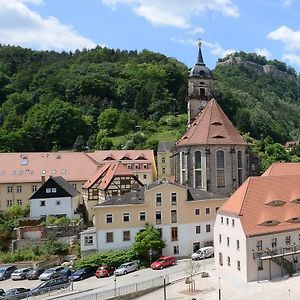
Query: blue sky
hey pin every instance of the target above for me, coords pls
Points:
(171, 27)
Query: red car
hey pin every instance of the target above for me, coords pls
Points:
(104, 271)
(163, 261)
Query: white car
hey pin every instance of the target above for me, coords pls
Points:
(126, 268)
(20, 273)
(203, 253)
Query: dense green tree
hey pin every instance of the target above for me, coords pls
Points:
(146, 240)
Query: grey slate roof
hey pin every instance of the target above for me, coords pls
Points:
(65, 185)
(197, 194)
(134, 197)
(165, 146)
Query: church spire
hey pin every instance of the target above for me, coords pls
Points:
(200, 57)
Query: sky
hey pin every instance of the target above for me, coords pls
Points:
(171, 27)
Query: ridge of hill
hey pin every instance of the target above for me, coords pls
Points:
(103, 98)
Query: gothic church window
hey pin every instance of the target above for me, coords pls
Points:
(198, 171)
(239, 168)
(220, 168)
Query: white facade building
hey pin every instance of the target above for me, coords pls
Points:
(257, 230)
(56, 197)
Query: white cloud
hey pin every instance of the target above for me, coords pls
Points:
(290, 38)
(21, 26)
(196, 31)
(263, 52)
(190, 42)
(217, 50)
(291, 58)
(287, 2)
(175, 13)
(32, 1)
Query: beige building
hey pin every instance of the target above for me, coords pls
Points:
(257, 230)
(164, 171)
(185, 217)
(21, 174)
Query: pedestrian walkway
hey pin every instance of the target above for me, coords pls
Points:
(231, 288)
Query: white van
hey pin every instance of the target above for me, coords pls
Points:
(203, 253)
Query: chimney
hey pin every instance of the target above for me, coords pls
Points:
(43, 179)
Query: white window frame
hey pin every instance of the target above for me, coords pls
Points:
(110, 215)
(126, 214)
(88, 240)
(145, 215)
(176, 200)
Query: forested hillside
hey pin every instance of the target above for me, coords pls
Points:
(51, 100)
(104, 98)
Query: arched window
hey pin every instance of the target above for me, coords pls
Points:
(220, 168)
(239, 168)
(198, 169)
(183, 163)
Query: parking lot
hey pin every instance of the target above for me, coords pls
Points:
(174, 272)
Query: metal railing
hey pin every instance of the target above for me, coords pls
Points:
(124, 290)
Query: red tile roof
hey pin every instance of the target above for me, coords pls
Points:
(279, 169)
(29, 167)
(211, 127)
(124, 155)
(251, 202)
(107, 173)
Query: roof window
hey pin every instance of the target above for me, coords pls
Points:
(276, 203)
(269, 223)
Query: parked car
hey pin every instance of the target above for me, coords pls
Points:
(51, 273)
(82, 273)
(17, 293)
(6, 271)
(126, 268)
(66, 272)
(104, 271)
(20, 273)
(203, 253)
(35, 273)
(163, 261)
(50, 285)
(2, 292)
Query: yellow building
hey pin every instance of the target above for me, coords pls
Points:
(185, 217)
(164, 171)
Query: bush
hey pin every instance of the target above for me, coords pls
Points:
(112, 258)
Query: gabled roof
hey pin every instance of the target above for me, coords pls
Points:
(165, 146)
(211, 127)
(279, 169)
(107, 173)
(62, 189)
(252, 202)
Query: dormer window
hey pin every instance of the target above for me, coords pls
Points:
(219, 137)
(276, 203)
(296, 201)
(269, 223)
(294, 220)
(217, 123)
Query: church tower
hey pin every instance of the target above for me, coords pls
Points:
(200, 82)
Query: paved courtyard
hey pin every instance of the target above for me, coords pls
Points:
(231, 289)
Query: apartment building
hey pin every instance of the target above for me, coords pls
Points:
(257, 231)
(185, 217)
(21, 174)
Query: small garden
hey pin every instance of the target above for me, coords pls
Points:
(34, 253)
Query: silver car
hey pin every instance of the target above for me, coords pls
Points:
(51, 273)
(126, 268)
(20, 273)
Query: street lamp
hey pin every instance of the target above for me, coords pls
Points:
(115, 283)
(220, 297)
(165, 287)
(289, 294)
(150, 252)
